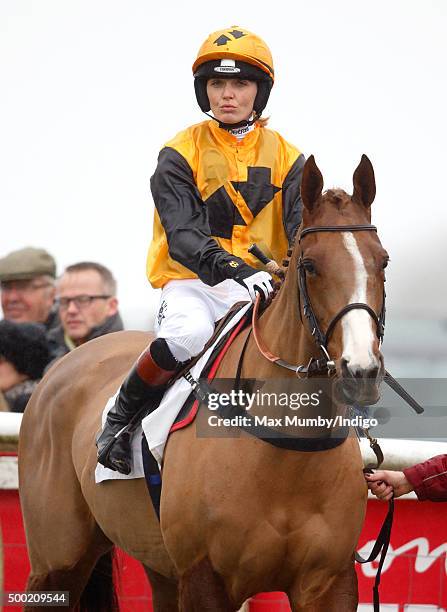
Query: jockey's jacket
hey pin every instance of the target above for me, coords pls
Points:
(215, 196)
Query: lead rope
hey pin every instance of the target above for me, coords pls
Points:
(383, 539)
(381, 546)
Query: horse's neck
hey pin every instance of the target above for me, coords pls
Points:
(281, 328)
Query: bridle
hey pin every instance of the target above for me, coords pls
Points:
(323, 339)
(325, 364)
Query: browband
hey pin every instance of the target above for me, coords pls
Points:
(337, 228)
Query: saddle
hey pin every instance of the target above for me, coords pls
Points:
(190, 407)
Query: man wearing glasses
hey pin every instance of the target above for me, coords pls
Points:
(88, 306)
(27, 279)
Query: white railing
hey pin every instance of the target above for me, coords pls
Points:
(398, 454)
(10, 423)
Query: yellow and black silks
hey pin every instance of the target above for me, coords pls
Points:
(215, 195)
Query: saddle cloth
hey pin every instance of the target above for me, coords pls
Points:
(156, 425)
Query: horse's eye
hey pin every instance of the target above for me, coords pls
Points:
(385, 263)
(309, 266)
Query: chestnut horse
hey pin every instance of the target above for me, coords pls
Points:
(238, 516)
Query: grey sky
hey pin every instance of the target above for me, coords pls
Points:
(92, 89)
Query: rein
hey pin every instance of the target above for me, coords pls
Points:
(314, 366)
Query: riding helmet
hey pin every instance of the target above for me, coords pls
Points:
(234, 53)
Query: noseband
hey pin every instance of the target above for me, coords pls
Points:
(322, 339)
(326, 364)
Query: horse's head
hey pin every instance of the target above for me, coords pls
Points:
(341, 275)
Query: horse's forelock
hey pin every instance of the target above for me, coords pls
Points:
(336, 197)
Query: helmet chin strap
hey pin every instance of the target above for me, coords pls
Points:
(234, 126)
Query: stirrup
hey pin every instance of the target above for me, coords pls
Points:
(124, 465)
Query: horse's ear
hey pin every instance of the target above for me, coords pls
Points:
(364, 183)
(311, 183)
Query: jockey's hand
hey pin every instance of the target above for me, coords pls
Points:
(385, 484)
(259, 282)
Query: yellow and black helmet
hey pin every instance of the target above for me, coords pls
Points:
(234, 53)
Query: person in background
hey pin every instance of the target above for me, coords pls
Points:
(27, 285)
(427, 479)
(88, 306)
(24, 354)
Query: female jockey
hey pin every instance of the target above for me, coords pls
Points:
(219, 186)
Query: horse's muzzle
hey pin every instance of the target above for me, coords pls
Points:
(359, 385)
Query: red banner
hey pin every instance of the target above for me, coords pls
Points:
(414, 573)
(415, 569)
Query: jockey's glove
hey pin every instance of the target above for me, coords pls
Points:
(257, 282)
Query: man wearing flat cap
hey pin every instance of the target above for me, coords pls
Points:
(27, 279)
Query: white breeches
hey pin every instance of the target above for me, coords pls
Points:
(188, 311)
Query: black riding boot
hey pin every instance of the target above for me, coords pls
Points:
(146, 381)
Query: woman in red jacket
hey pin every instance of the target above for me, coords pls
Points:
(428, 480)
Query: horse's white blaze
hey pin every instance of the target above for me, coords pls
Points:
(357, 325)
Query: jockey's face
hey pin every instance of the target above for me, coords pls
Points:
(231, 100)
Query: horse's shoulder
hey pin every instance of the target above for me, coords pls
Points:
(116, 342)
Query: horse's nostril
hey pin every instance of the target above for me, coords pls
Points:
(365, 373)
(350, 370)
(344, 367)
(373, 373)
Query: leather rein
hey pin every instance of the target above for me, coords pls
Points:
(325, 364)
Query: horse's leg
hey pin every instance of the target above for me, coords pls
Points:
(164, 592)
(342, 595)
(201, 589)
(69, 555)
(88, 582)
